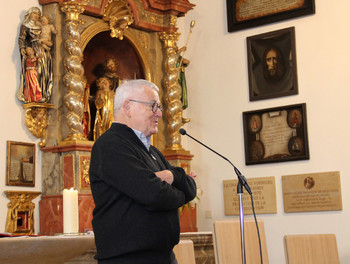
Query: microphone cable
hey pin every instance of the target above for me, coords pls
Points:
(241, 180)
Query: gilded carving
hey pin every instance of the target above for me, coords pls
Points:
(20, 215)
(172, 95)
(173, 20)
(119, 16)
(36, 120)
(74, 77)
(143, 39)
(137, 42)
(86, 167)
(152, 18)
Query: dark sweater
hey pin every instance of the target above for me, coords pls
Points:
(135, 219)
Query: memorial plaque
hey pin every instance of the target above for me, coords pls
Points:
(243, 14)
(264, 196)
(312, 192)
(275, 134)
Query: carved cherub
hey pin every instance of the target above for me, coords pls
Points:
(118, 26)
(36, 122)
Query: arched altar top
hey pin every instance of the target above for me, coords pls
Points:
(102, 26)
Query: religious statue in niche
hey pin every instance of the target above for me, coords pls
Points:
(182, 63)
(110, 68)
(36, 79)
(95, 107)
(35, 43)
(104, 106)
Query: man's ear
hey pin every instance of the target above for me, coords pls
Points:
(126, 106)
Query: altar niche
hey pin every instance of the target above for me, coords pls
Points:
(100, 54)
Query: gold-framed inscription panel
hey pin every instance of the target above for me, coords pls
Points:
(312, 192)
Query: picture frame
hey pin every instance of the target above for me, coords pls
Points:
(20, 164)
(276, 134)
(272, 64)
(248, 13)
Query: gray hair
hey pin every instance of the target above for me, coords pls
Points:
(130, 88)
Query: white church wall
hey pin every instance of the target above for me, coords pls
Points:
(217, 81)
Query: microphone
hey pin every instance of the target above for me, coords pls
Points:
(241, 178)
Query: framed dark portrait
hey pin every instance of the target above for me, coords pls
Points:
(276, 134)
(20, 164)
(242, 14)
(272, 68)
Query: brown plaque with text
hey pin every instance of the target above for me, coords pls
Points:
(250, 9)
(264, 196)
(243, 14)
(312, 192)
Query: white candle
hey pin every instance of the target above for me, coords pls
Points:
(70, 211)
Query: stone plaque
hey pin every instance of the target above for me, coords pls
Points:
(312, 192)
(264, 196)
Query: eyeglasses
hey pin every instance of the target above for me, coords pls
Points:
(154, 105)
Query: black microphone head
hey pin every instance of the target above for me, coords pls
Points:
(182, 131)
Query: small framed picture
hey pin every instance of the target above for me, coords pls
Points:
(272, 66)
(20, 164)
(276, 134)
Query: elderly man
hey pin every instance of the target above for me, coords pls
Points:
(137, 193)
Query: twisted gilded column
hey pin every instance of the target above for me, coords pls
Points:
(172, 96)
(74, 77)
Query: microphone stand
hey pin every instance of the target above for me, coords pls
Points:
(241, 218)
(242, 182)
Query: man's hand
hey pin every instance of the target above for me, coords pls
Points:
(165, 175)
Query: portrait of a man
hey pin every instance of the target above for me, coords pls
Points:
(272, 65)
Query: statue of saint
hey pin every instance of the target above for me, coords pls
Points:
(182, 63)
(110, 66)
(104, 106)
(32, 91)
(29, 36)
